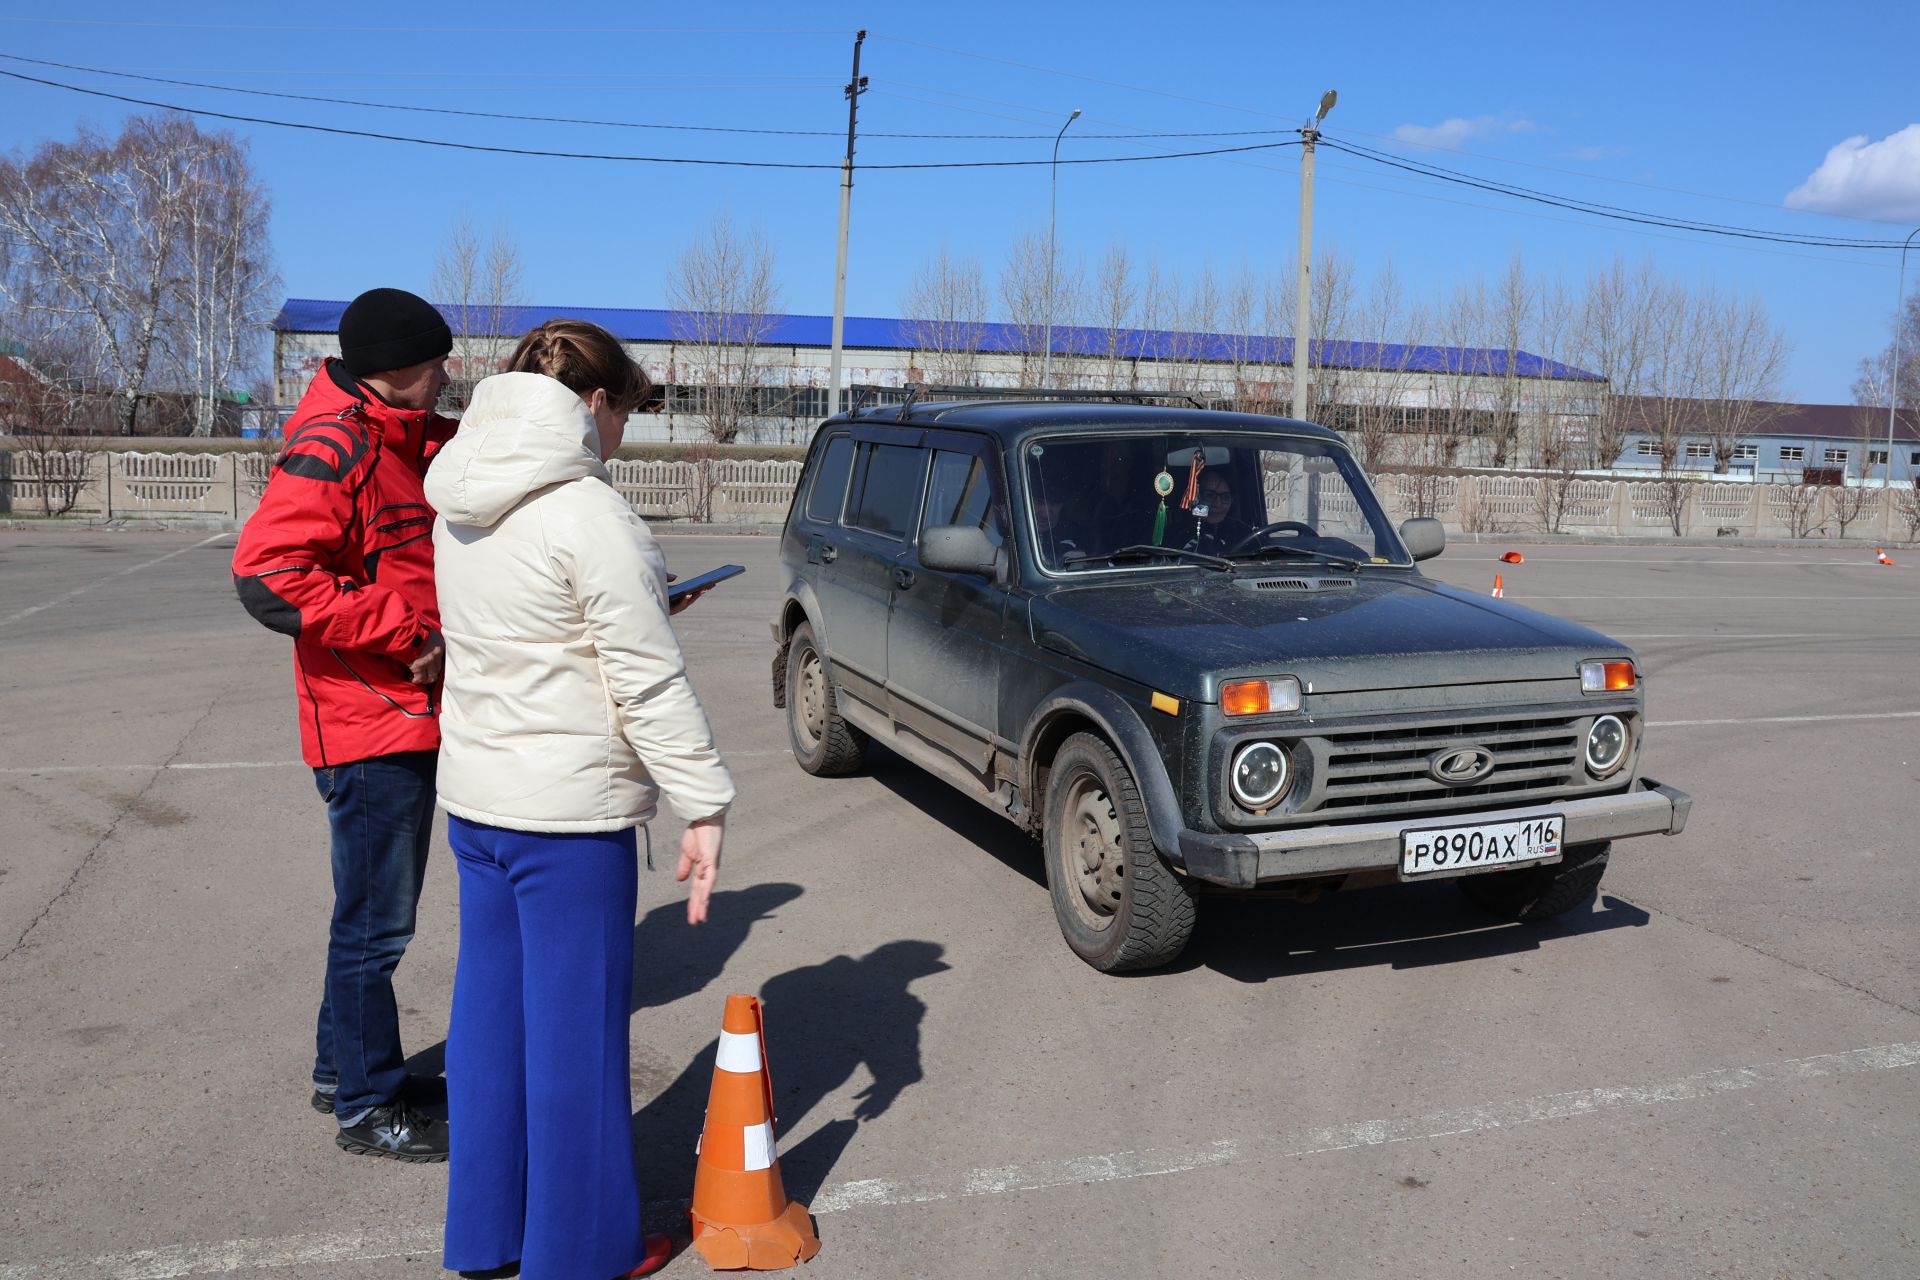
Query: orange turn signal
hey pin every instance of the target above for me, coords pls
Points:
(1257, 697)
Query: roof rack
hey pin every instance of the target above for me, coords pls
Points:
(920, 392)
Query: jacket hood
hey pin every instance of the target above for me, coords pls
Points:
(523, 432)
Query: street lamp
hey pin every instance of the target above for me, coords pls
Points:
(1053, 200)
(1893, 395)
(1302, 313)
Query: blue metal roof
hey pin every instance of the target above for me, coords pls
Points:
(314, 315)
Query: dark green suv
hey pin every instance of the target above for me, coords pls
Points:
(1189, 652)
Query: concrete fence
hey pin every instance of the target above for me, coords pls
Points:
(114, 485)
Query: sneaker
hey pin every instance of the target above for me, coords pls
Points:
(421, 1091)
(398, 1132)
(659, 1248)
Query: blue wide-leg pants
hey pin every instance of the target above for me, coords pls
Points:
(538, 1090)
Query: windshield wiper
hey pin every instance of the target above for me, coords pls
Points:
(1142, 550)
(1281, 549)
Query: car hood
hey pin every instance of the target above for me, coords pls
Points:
(1391, 630)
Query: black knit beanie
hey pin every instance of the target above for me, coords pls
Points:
(386, 329)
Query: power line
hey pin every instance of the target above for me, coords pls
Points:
(636, 159)
(1605, 211)
(438, 30)
(623, 124)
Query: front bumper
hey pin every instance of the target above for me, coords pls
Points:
(1243, 861)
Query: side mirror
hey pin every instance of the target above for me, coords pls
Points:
(958, 548)
(1425, 537)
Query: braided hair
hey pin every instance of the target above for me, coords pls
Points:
(581, 356)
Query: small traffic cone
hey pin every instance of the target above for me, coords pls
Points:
(741, 1215)
(1499, 591)
(1513, 557)
(1882, 556)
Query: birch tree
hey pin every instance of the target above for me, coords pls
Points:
(1743, 358)
(478, 287)
(722, 290)
(946, 314)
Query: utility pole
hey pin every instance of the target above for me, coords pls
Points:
(1303, 302)
(855, 87)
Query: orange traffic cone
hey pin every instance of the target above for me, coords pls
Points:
(1513, 557)
(1499, 591)
(1882, 556)
(741, 1215)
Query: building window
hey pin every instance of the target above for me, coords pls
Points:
(1646, 448)
(1793, 453)
(1746, 453)
(1699, 449)
(1913, 459)
(1835, 458)
(1876, 457)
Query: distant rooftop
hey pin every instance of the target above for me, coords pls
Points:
(315, 315)
(1790, 421)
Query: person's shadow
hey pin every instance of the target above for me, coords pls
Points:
(824, 1022)
(673, 959)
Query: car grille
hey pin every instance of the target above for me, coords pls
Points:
(1385, 770)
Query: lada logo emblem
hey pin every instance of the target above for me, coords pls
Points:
(1458, 766)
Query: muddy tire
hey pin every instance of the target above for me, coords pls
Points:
(1120, 906)
(1540, 893)
(825, 745)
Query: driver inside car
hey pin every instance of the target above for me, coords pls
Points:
(1215, 529)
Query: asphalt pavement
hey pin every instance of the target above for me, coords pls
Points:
(1715, 1071)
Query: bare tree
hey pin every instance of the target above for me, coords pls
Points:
(478, 288)
(1743, 357)
(1614, 340)
(1848, 503)
(1032, 307)
(1388, 332)
(1112, 305)
(1876, 370)
(1507, 311)
(1802, 504)
(107, 239)
(51, 444)
(722, 290)
(1906, 502)
(946, 309)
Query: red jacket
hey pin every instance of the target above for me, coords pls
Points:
(340, 557)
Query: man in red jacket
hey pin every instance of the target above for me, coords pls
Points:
(340, 557)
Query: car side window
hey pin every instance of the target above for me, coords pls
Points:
(960, 491)
(830, 480)
(886, 489)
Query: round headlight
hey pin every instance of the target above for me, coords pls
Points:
(1607, 745)
(1259, 774)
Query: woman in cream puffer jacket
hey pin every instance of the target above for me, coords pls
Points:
(567, 712)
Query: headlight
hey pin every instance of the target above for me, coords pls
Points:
(1260, 697)
(1260, 775)
(1607, 744)
(1613, 676)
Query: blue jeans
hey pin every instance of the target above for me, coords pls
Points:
(381, 813)
(539, 1095)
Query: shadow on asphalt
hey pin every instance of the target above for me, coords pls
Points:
(824, 1023)
(1403, 927)
(968, 819)
(673, 959)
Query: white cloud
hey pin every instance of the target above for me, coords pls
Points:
(1591, 155)
(1863, 179)
(1458, 129)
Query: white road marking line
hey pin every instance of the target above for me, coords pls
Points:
(149, 768)
(1855, 715)
(234, 1256)
(79, 591)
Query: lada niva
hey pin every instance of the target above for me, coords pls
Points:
(1190, 653)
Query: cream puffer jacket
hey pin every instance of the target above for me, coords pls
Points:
(567, 704)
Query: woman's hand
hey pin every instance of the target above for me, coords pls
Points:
(687, 599)
(700, 858)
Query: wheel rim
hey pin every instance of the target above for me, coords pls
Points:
(1092, 850)
(810, 699)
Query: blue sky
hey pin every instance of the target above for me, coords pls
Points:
(1675, 108)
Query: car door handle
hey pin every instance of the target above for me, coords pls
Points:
(819, 552)
(903, 578)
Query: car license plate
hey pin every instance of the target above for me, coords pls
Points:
(1440, 850)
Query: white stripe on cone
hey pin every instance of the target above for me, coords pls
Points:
(758, 1144)
(739, 1052)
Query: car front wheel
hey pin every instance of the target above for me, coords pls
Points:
(1119, 904)
(824, 744)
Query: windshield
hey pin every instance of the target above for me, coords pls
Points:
(1098, 502)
